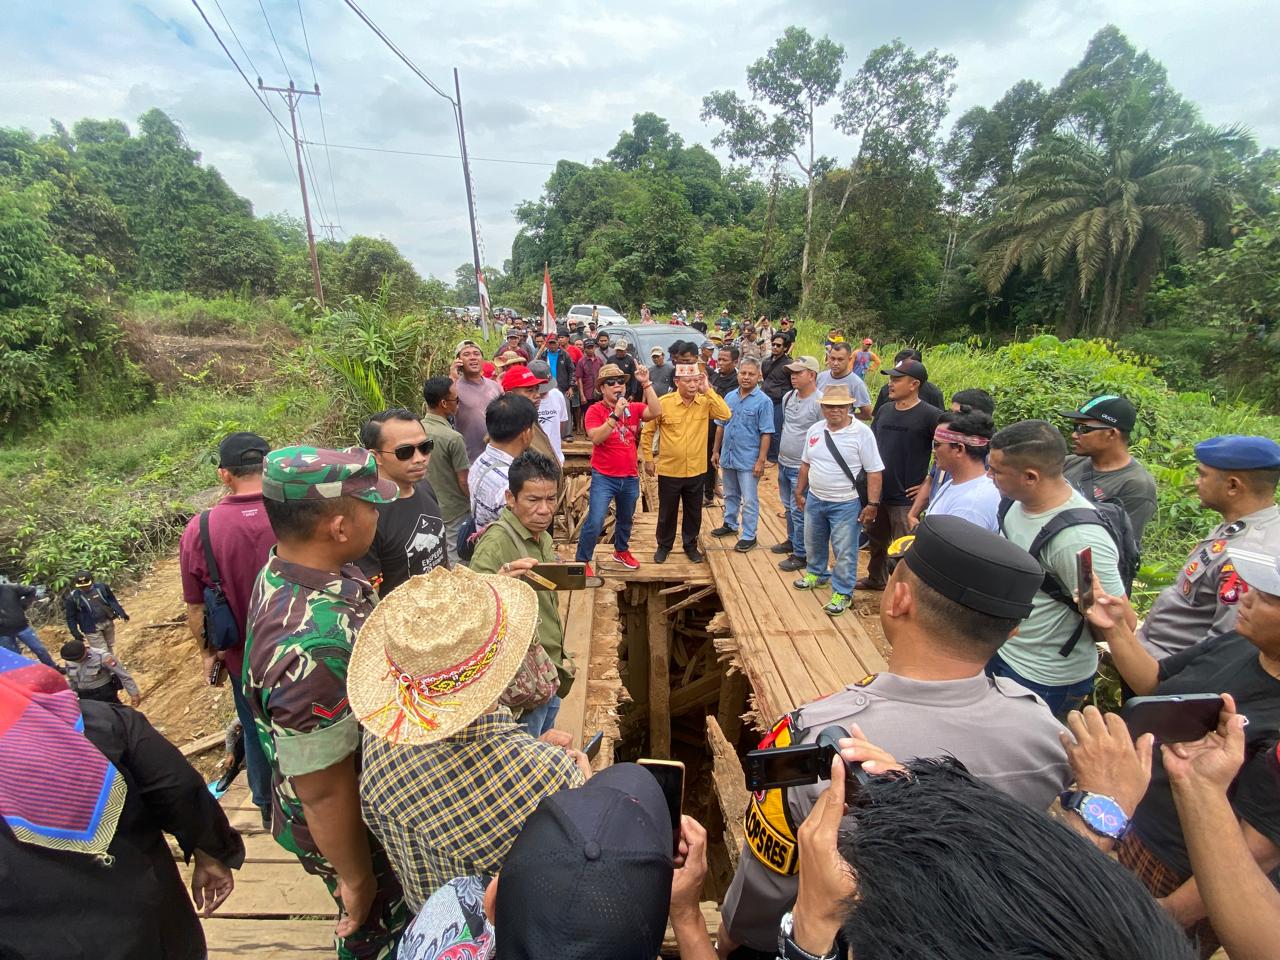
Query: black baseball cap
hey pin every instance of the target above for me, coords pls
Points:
(242, 450)
(1111, 409)
(590, 874)
(974, 567)
(908, 368)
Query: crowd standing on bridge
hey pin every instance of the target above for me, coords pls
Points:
(397, 681)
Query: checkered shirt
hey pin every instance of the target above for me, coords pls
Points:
(453, 808)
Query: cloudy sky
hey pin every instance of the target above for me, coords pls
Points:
(543, 81)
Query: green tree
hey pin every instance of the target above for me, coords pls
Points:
(367, 262)
(797, 77)
(234, 253)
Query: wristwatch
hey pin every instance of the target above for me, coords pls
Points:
(787, 949)
(1100, 813)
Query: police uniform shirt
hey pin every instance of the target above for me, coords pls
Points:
(1001, 732)
(95, 671)
(1204, 599)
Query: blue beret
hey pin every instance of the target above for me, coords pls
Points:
(1236, 452)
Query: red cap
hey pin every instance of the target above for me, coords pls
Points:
(866, 342)
(488, 369)
(519, 377)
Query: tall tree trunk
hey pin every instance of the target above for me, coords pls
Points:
(806, 282)
(1069, 319)
(764, 261)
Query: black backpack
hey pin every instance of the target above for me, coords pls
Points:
(1112, 518)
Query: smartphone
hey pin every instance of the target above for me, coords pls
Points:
(592, 746)
(670, 777)
(560, 576)
(1173, 719)
(217, 673)
(1084, 578)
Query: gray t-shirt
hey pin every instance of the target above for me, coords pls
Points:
(861, 398)
(1132, 486)
(798, 415)
(663, 377)
(976, 500)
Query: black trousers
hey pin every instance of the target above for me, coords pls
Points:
(672, 492)
(709, 478)
(105, 694)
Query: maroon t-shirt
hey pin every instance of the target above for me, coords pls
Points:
(241, 536)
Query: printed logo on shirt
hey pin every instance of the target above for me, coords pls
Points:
(813, 441)
(424, 550)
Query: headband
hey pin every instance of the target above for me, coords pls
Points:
(943, 435)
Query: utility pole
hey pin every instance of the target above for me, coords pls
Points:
(329, 228)
(481, 293)
(291, 95)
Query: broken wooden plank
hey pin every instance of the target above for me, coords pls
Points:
(733, 703)
(700, 693)
(659, 679)
(730, 786)
(689, 600)
(203, 745)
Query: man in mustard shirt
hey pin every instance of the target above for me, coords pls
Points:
(682, 457)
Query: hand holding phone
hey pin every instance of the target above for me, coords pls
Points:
(670, 777)
(592, 746)
(1177, 718)
(560, 576)
(1084, 579)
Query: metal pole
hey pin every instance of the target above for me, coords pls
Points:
(291, 95)
(471, 207)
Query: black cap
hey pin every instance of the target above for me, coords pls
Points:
(1115, 411)
(83, 578)
(590, 874)
(242, 450)
(73, 650)
(974, 567)
(908, 368)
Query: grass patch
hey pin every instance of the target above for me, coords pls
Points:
(175, 312)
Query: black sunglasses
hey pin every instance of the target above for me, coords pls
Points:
(405, 451)
(1088, 427)
(614, 381)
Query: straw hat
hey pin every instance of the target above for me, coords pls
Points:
(836, 395)
(507, 359)
(438, 651)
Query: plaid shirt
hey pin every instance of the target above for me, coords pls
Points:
(453, 808)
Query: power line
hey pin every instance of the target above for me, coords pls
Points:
(247, 81)
(397, 51)
(438, 156)
(324, 134)
(279, 53)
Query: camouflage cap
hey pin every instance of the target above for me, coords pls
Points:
(315, 473)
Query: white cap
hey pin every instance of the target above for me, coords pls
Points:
(1260, 571)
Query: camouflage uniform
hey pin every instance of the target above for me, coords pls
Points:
(301, 626)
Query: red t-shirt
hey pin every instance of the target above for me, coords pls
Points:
(241, 536)
(574, 353)
(616, 457)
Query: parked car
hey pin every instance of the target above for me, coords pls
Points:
(582, 311)
(641, 339)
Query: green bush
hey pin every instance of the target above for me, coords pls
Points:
(188, 315)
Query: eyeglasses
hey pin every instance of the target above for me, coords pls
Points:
(779, 344)
(614, 381)
(405, 451)
(1089, 427)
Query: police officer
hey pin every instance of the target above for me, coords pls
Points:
(1236, 476)
(92, 674)
(957, 595)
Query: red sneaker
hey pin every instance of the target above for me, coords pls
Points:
(587, 568)
(625, 558)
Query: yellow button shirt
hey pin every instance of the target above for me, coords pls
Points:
(682, 433)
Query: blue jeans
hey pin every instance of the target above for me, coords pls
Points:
(28, 636)
(777, 431)
(541, 719)
(257, 769)
(832, 526)
(1061, 699)
(740, 495)
(625, 491)
(787, 477)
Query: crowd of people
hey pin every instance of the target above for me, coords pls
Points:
(397, 680)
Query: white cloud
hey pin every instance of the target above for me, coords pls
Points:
(544, 81)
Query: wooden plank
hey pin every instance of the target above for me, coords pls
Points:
(268, 939)
(576, 614)
(700, 693)
(689, 600)
(733, 703)
(710, 916)
(275, 890)
(203, 744)
(730, 787)
(659, 679)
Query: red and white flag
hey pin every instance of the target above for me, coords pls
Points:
(484, 291)
(548, 303)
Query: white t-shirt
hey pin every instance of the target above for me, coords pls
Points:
(856, 443)
(552, 412)
(858, 389)
(976, 500)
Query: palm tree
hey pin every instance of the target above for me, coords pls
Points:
(1102, 209)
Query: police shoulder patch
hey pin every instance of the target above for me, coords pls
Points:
(771, 836)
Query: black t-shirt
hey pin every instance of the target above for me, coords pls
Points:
(788, 337)
(929, 393)
(1227, 663)
(409, 541)
(905, 439)
(628, 365)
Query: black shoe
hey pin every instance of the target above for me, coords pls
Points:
(742, 546)
(723, 531)
(694, 554)
(783, 548)
(266, 818)
(660, 555)
(793, 563)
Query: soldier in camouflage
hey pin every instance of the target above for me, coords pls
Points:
(309, 601)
